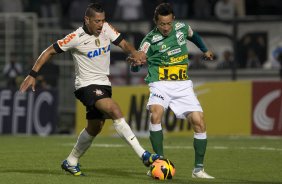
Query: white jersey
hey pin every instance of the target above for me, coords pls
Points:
(91, 54)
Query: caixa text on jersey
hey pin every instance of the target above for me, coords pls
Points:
(99, 51)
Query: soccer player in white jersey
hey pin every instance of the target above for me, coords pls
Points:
(90, 48)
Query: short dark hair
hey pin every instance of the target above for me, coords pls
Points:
(163, 9)
(92, 8)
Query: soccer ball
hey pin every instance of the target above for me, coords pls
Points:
(162, 169)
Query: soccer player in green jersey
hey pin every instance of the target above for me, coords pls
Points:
(170, 86)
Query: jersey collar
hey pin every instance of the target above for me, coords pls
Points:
(84, 27)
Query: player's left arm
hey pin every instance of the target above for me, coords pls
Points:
(138, 57)
(197, 40)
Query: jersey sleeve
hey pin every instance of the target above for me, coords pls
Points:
(68, 42)
(112, 33)
(190, 31)
(145, 46)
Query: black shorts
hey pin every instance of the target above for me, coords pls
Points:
(89, 95)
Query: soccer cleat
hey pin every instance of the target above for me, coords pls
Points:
(201, 174)
(149, 158)
(74, 170)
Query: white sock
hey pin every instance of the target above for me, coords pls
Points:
(84, 141)
(200, 135)
(155, 127)
(125, 132)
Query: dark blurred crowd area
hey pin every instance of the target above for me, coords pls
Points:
(135, 10)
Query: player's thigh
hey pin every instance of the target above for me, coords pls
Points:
(184, 101)
(158, 95)
(110, 107)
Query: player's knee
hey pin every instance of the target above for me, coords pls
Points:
(94, 127)
(115, 112)
(197, 120)
(156, 114)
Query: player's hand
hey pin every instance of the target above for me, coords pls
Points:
(130, 60)
(139, 57)
(28, 81)
(134, 62)
(208, 55)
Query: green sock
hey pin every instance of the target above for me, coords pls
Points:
(200, 149)
(156, 139)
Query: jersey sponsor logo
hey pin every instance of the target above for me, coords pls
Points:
(177, 72)
(99, 51)
(157, 38)
(179, 25)
(145, 47)
(178, 59)
(164, 48)
(66, 40)
(173, 52)
(180, 38)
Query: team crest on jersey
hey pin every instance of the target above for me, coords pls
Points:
(98, 92)
(157, 38)
(180, 38)
(97, 42)
(179, 25)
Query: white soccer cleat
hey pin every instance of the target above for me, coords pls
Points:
(201, 174)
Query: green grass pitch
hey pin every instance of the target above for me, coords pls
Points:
(33, 160)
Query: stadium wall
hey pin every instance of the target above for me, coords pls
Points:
(231, 108)
(28, 113)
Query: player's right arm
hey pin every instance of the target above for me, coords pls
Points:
(144, 47)
(69, 42)
(42, 59)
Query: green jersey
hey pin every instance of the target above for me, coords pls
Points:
(167, 56)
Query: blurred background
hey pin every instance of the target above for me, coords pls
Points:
(241, 85)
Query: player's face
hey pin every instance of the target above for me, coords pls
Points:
(95, 23)
(165, 23)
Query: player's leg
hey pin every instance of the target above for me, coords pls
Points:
(84, 141)
(185, 105)
(112, 109)
(155, 127)
(95, 122)
(200, 144)
(200, 137)
(157, 103)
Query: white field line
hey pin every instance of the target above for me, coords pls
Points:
(262, 148)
